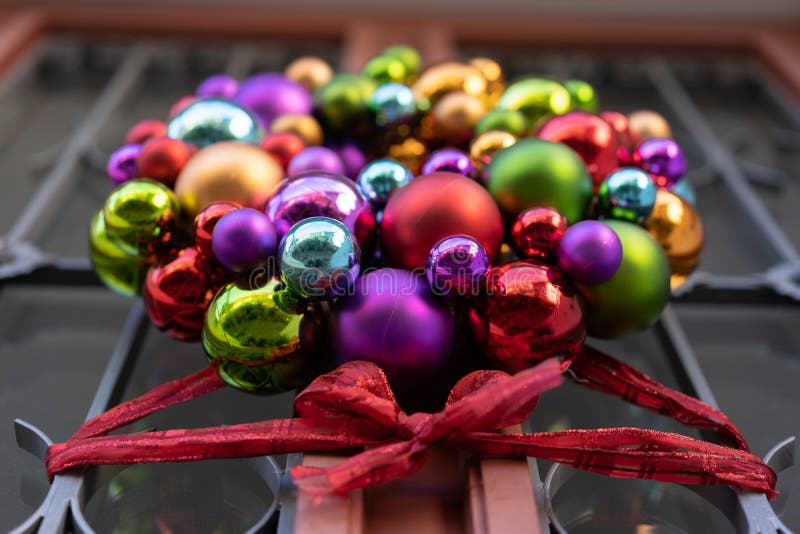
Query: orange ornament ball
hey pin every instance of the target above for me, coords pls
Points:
(431, 208)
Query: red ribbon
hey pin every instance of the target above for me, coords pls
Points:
(353, 407)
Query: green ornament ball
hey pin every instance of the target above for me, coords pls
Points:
(535, 98)
(408, 56)
(344, 100)
(259, 343)
(634, 297)
(385, 69)
(122, 272)
(139, 215)
(505, 120)
(583, 95)
(535, 172)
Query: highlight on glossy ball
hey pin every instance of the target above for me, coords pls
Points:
(535, 98)
(270, 95)
(379, 179)
(163, 158)
(393, 103)
(646, 124)
(536, 233)
(322, 194)
(457, 266)
(282, 146)
(589, 252)
(677, 227)
(628, 194)
(662, 159)
(120, 271)
(139, 215)
(244, 239)
(408, 56)
(219, 85)
(210, 120)
(417, 330)
(484, 147)
(121, 165)
(451, 76)
(634, 297)
(258, 345)
(315, 158)
(583, 95)
(534, 172)
(319, 258)
(309, 71)
(228, 171)
(449, 160)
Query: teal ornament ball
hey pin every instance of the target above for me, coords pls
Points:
(634, 297)
(534, 172)
(380, 179)
(393, 103)
(628, 194)
(210, 120)
(319, 258)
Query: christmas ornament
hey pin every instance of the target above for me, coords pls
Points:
(310, 72)
(438, 80)
(619, 122)
(645, 124)
(219, 85)
(536, 233)
(270, 95)
(417, 330)
(315, 158)
(352, 157)
(385, 69)
(236, 172)
(662, 159)
(180, 105)
(449, 160)
(380, 178)
(282, 146)
(493, 73)
(431, 208)
(486, 145)
(204, 225)
(244, 239)
(531, 313)
(144, 130)
(408, 56)
(121, 165)
(582, 95)
(344, 101)
(410, 152)
(535, 172)
(634, 297)
(677, 227)
(393, 103)
(457, 266)
(256, 343)
(454, 117)
(505, 120)
(162, 159)
(592, 138)
(305, 127)
(210, 120)
(120, 271)
(535, 98)
(322, 194)
(589, 252)
(627, 194)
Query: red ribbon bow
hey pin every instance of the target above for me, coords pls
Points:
(353, 406)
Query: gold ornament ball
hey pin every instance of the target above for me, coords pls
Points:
(229, 171)
(487, 144)
(493, 73)
(455, 117)
(677, 227)
(645, 124)
(411, 153)
(439, 80)
(305, 127)
(309, 71)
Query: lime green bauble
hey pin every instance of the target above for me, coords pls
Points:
(259, 344)
(634, 297)
(583, 95)
(409, 56)
(385, 69)
(506, 120)
(535, 98)
(122, 272)
(535, 172)
(344, 100)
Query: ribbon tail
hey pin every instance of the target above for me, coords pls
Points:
(168, 394)
(634, 453)
(596, 370)
(373, 466)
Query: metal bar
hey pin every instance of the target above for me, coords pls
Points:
(718, 156)
(38, 213)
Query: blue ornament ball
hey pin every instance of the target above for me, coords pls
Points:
(393, 103)
(210, 120)
(627, 194)
(380, 178)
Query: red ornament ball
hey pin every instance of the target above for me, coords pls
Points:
(282, 146)
(536, 233)
(144, 130)
(163, 158)
(594, 140)
(433, 207)
(205, 222)
(532, 313)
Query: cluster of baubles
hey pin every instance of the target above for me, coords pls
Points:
(304, 217)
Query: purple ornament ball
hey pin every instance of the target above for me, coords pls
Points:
(244, 239)
(393, 320)
(662, 159)
(121, 165)
(590, 252)
(353, 158)
(218, 85)
(457, 266)
(450, 160)
(271, 95)
(315, 158)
